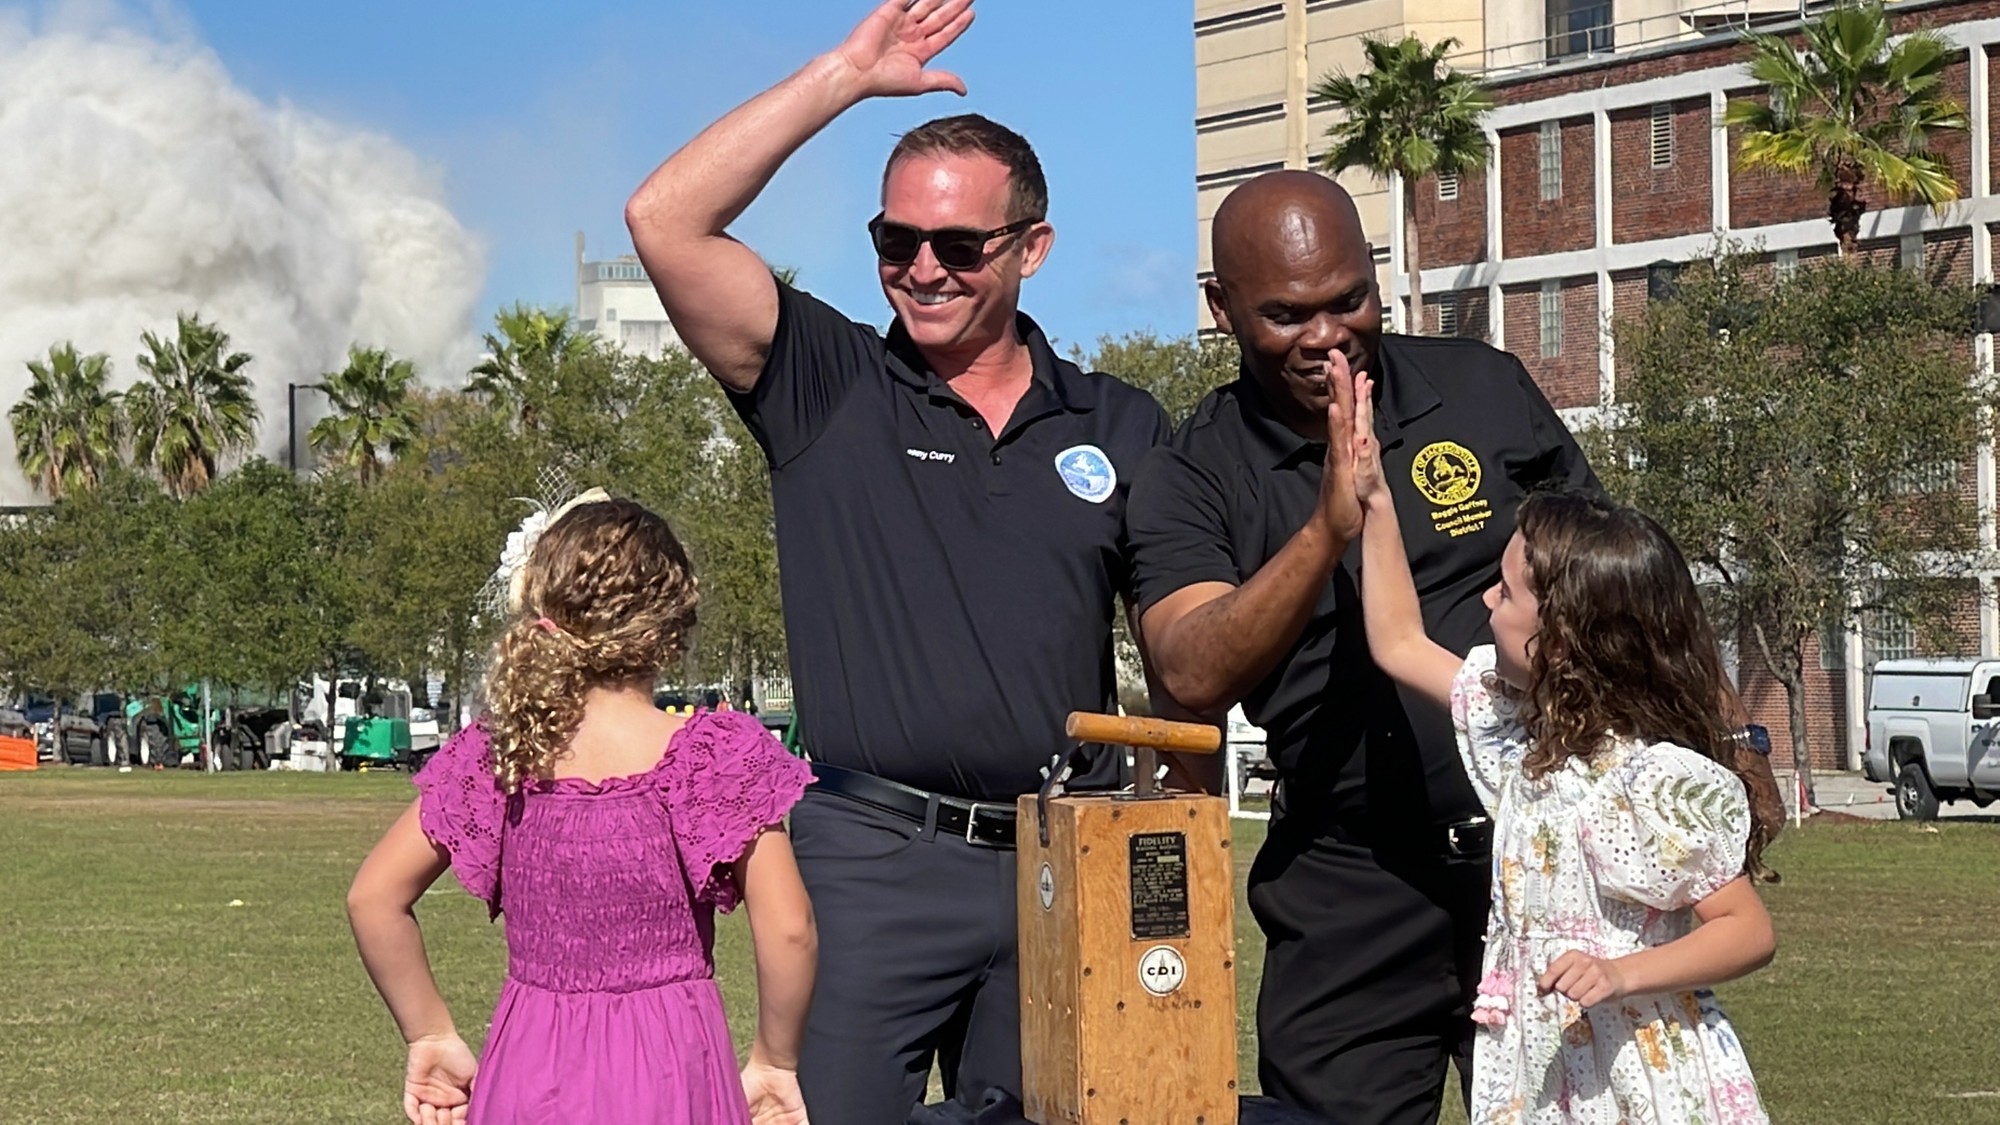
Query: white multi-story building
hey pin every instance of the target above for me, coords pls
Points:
(616, 301)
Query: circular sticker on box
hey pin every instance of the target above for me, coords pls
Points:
(1162, 970)
(1046, 884)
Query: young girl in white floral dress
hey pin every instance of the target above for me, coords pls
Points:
(1592, 730)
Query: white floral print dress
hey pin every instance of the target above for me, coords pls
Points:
(1607, 856)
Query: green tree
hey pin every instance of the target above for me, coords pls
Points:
(265, 605)
(67, 430)
(373, 417)
(526, 349)
(1177, 371)
(687, 456)
(418, 547)
(1851, 108)
(1803, 440)
(198, 409)
(1407, 113)
(81, 579)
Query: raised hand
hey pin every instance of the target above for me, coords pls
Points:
(892, 47)
(1340, 507)
(437, 1081)
(1370, 486)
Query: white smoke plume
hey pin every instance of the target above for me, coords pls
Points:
(138, 181)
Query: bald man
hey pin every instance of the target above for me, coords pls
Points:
(1372, 886)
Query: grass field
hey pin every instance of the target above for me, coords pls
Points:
(175, 951)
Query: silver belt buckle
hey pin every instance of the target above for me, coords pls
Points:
(972, 821)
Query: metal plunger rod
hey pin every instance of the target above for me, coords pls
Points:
(1153, 734)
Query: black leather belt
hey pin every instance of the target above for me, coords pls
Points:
(1470, 839)
(976, 822)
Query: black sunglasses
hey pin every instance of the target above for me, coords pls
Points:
(957, 248)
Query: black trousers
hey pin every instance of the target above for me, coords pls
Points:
(1371, 960)
(916, 962)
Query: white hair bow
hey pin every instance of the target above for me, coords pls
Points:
(504, 590)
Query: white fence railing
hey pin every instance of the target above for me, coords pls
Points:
(1588, 32)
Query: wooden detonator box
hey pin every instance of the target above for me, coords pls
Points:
(1127, 943)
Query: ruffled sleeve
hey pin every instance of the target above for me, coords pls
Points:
(1666, 828)
(727, 781)
(464, 811)
(1490, 738)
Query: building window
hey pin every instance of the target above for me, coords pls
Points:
(1833, 645)
(1552, 319)
(1663, 136)
(1577, 27)
(1552, 160)
(1911, 254)
(1787, 264)
(1923, 478)
(1447, 186)
(1890, 635)
(1447, 306)
(610, 314)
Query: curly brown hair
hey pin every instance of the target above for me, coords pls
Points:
(1623, 645)
(608, 600)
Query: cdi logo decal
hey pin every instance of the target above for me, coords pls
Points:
(1162, 970)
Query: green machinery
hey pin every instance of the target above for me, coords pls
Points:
(378, 734)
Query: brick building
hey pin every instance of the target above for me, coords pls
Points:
(1604, 166)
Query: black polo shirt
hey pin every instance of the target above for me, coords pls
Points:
(1465, 435)
(948, 592)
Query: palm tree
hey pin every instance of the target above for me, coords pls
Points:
(1852, 108)
(529, 346)
(197, 410)
(1407, 114)
(373, 414)
(67, 429)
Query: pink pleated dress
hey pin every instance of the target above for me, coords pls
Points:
(610, 1011)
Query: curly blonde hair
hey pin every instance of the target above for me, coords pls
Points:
(608, 599)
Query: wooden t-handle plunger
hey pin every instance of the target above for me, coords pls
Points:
(1146, 736)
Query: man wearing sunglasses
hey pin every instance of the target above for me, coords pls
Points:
(949, 502)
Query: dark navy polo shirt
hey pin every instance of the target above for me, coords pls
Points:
(948, 592)
(1465, 436)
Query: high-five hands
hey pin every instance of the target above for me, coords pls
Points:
(1339, 505)
(890, 50)
(1371, 488)
(1353, 480)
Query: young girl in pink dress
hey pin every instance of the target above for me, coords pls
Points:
(1592, 728)
(608, 834)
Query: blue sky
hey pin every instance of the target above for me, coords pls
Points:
(544, 116)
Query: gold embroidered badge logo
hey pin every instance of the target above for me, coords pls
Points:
(1448, 475)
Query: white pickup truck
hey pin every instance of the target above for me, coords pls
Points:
(1934, 731)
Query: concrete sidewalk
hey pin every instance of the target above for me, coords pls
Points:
(1855, 795)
